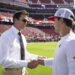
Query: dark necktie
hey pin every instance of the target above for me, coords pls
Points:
(22, 47)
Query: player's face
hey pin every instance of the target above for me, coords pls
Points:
(57, 25)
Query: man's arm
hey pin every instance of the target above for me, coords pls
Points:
(5, 60)
(46, 62)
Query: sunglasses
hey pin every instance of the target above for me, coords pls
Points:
(24, 20)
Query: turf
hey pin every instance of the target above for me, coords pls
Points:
(44, 49)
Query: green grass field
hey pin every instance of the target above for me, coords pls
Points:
(44, 49)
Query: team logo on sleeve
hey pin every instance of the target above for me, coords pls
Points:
(73, 57)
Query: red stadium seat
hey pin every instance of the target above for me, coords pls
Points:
(37, 17)
(45, 1)
(50, 6)
(6, 1)
(22, 1)
(8, 14)
(69, 1)
(30, 30)
(58, 1)
(48, 30)
(35, 6)
(33, 1)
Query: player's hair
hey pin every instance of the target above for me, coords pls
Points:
(66, 21)
(19, 13)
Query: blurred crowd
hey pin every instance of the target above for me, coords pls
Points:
(42, 38)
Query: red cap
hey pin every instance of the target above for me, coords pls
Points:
(51, 18)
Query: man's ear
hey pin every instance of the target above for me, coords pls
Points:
(15, 19)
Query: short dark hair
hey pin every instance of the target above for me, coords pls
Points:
(67, 21)
(19, 13)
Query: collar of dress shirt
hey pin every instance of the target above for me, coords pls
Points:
(71, 32)
(15, 29)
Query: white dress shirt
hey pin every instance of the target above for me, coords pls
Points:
(63, 62)
(10, 50)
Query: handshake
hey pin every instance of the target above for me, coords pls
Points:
(34, 63)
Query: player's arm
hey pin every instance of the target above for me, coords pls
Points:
(46, 62)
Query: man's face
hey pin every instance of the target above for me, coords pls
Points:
(21, 22)
(57, 25)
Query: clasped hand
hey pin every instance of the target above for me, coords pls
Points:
(34, 63)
